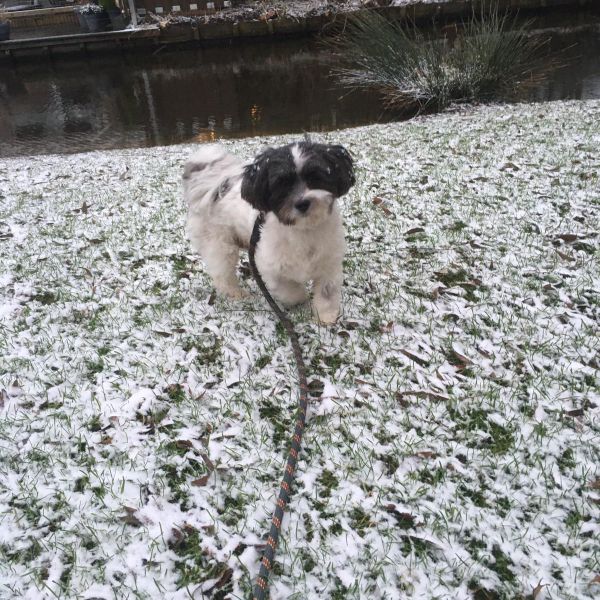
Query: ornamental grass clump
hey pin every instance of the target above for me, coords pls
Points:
(491, 55)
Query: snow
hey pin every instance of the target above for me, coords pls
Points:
(453, 447)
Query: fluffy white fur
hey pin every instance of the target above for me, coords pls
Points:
(288, 257)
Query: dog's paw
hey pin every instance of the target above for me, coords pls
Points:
(234, 293)
(326, 317)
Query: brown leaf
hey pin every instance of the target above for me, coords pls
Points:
(201, 481)
(225, 578)
(427, 454)
(436, 292)
(405, 520)
(315, 388)
(595, 485)
(568, 238)
(130, 518)
(209, 463)
(423, 394)
(458, 359)
(184, 444)
(576, 412)
(106, 440)
(387, 327)
(162, 333)
(420, 361)
(565, 256)
(379, 201)
(596, 580)
(414, 230)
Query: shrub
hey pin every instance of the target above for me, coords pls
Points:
(489, 56)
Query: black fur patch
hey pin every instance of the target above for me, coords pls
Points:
(272, 178)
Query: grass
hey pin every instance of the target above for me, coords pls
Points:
(490, 56)
(452, 440)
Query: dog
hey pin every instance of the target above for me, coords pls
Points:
(302, 239)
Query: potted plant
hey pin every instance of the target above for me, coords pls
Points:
(81, 18)
(95, 17)
(117, 19)
(4, 29)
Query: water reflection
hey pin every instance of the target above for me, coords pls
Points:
(174, 97)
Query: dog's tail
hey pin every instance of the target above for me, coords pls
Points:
(207, 167)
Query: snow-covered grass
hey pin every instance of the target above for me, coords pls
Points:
(452, 444)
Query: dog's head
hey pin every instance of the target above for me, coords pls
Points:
(299, 182)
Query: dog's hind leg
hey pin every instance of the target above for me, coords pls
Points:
(221, 261)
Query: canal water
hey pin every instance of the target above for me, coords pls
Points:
(181, 96)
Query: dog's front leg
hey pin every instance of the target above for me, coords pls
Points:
(327, 296)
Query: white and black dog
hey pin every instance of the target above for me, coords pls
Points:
(302, 239)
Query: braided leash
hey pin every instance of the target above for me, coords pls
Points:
(262, 581)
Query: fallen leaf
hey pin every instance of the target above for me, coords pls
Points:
(414, 230)
(596, 580)
(427, 454)
(201, 481)
(209, 463)
(184, 444)
(414, 357)
(423, 394)
(568, 238)
(130, 518)
(565, 256)
(162, 333)
(509, 166)
(379, 201)
(315, 388)
(387, 327)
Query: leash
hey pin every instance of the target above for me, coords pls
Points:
(261, 588)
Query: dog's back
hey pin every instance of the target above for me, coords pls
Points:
(206, 171)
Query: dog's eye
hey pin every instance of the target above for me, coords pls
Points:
(283, 181)
(317, 179)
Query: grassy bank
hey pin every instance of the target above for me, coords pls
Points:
(452, 446)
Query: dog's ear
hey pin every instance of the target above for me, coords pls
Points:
(255, 182)
(342, 167)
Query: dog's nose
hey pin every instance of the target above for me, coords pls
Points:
(303, 205)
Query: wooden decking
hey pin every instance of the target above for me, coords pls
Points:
(80, 42)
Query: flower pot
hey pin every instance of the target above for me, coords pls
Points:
(97, 21)
(4, 31)
(82, 22)
(117, 18)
